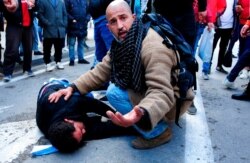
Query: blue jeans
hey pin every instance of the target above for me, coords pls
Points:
(80, 47)
(103, 38)
(243, 61)
(119, 99)
(35, 35)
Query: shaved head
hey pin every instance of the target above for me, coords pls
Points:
(116, 4)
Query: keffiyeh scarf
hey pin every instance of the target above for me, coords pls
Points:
(126, 68)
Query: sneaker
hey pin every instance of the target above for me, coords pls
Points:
(228, 84)
(38, 53)
(59, 66)
(49, 67)
(244, 74)
(245, 96)
(29, 73)
(205, 76)
(7, 78)
(83, 61)
(71, 63)
(192, 110)
(221, 69)
(142, 143)
(65, 50)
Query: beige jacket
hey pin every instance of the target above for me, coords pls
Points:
(159, 62)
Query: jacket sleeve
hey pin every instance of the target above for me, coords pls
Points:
(94, 78)
(159, 62)
(42, 20)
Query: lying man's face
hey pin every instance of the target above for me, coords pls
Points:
(79, 132)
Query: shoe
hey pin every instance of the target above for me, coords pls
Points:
(19, 61)
(228, 84)
(38, 53)
(221, 69)
(71, 63)
(234, 56)
(245, 96)
(205, 76)
(244, 74)
(83, 61)
(29, 73)
(142, 143)
(192, 110)
(7, 78)
(59, 66)
(49, 67)
(85, 45)
(65, 50)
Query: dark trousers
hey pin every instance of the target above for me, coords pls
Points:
(234, 38)
(243, 61)
(224, 35)
(15, 35)
(47, 45)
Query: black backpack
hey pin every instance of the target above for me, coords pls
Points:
(186, 62)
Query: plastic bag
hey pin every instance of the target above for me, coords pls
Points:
(206, 45)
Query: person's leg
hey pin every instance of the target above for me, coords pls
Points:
(243, 96)
(47, 45)
(27, 39)
(80, 48)
(35, 35)
(58, 44)
(217, 36)
(105, 39)
(199, 30)
(119, 99)
(71, 44)
(225, 37)
(242, 62)
(13, 39)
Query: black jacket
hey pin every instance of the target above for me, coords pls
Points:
(97, 8)
(76, 108)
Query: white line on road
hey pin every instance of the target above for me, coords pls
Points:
(36, 73)
(2, 108)
(198, 146)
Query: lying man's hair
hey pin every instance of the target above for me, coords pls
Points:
(61, 136)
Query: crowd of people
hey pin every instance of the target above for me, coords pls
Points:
(141, 86)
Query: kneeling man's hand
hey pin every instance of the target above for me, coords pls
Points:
(126, 120)
(67, 92)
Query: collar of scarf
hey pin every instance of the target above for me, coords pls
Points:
(126, 68)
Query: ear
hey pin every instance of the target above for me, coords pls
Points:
(107, 26)
(134, 16)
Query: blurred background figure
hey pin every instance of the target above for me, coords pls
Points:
(78, 18)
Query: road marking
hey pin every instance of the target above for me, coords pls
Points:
(3, 108)
(198, 146)
(18, 78)
(16, 137)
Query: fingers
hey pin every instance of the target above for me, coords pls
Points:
(113, 118)
(67, 96)
(54, 97)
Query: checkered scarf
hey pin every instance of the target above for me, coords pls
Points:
(126, 68)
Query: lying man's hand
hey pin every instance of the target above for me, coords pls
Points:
(128, 119)
(67, 92)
